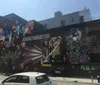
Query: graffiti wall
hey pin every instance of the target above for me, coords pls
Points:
(75, 47)
(49, 49)
(72, 47)
(12, 46)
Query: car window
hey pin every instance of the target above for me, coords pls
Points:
(22, 79)
(17, 79)
(45, 78)
(42, 79)
(11, 79)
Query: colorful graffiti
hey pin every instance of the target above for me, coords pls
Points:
(53, 49)
(11, 41)
(18, 31)
(29, 27)
(45, 48)
(57, 47)
(75, 47)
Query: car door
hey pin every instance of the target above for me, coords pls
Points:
(10, 80)
(43, 80)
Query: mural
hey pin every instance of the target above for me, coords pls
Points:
(44, 48)
(11, 42)
(29, 27)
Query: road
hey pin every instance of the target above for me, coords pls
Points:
(68, 83)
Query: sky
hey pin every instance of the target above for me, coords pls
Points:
(44, 9)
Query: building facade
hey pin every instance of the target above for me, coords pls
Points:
(75, 46)
(71, 50)
(60, 20)
(11, 36)
(15, 19)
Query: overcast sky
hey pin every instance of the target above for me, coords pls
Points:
(43, 9)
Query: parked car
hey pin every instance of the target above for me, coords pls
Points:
(27, 78)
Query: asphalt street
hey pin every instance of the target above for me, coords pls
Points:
(69, 83)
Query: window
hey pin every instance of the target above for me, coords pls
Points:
(77, 67)
(45, 25)
(17, 79)
(72, 20)
(85, 67)
(22, 79)
(39, 80)
(42, 79)
(11, 79)
(62, 22)
(45, 78)
(81, 19)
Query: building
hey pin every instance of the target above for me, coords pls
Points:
(4, 21)
(18, 20)
(12, 30)
(5, 25)
(81, 43)
(60, 20)
(15, 18)
(76, 46)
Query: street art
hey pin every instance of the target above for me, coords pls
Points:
(29, 27)
(53, 50)
(26, 55)
(37, 37)
(11, 39)
(78, 47)
(45, 48)
(76, 34)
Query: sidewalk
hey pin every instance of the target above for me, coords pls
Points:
(80, 80)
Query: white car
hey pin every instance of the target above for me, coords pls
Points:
(27, 78)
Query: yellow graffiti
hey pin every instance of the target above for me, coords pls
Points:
(45, 65)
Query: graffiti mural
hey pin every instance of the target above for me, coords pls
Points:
(44, 48)
(53, 49)
(29, 27)
(75, 47)
(11, 43)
